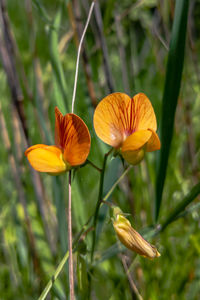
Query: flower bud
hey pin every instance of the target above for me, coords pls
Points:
(130, 238)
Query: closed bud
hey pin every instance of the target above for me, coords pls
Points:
(130, 238)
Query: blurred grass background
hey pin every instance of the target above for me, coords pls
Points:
(130, 46)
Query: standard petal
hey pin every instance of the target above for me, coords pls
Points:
(113, 120)
(45, 158)
(76, 139)
(153, 143)
(143, 113)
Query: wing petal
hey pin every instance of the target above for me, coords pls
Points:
(45, 158)
(153, 143)
(133, 149)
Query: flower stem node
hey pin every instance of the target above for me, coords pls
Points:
(130, 238)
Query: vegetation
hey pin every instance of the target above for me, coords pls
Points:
(148, 46)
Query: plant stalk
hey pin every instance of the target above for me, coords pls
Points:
(79, 52)
(69, 217)
(76, 240)
(96, 214)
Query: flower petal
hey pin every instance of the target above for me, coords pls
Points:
(143, 113)
(132, 239)
(132, 149)
(76, 140)
(59, 128)
(153, 143)
(136, 140)
(117, 116)
(134, 157)
(112, 119)
(45, 158)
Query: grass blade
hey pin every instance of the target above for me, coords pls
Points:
(56, 63)
(171, 93)
(182, 205)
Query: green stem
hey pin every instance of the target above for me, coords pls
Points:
(179, 211)
(116, 183)
(182, 205)
(96, 214)
(62, 263)
(54, 277)
(93, 165)
(69, 216)
(76, 240)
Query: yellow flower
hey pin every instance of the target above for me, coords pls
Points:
(72, 139)
(127, 124)
(130, 238)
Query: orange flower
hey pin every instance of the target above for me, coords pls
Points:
(72, 139)
(127, 124)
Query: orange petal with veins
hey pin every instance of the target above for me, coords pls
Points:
(117, 116)
(153, 143)
(143, 113)
(59, 128)
(112, 119)
(76, 139)
(45, 158)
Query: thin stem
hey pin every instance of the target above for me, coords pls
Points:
(71, 275)
(69, 215)
(99, 202)
(130, 279)
(116, 183)
(79, 52)
(76, 240)
(117, 287)
(54, 277)
(63, 261)
(84, 229)
(93, 165)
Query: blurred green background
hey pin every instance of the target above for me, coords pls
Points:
(131, 47)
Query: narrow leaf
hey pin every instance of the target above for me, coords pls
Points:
(56, 63)
(182, 205)
(171, 93)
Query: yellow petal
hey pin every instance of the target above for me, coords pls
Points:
(132, 239)
(132, 149)
(136, 140)
(134, 157)
(45, 158)
(153, 143)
